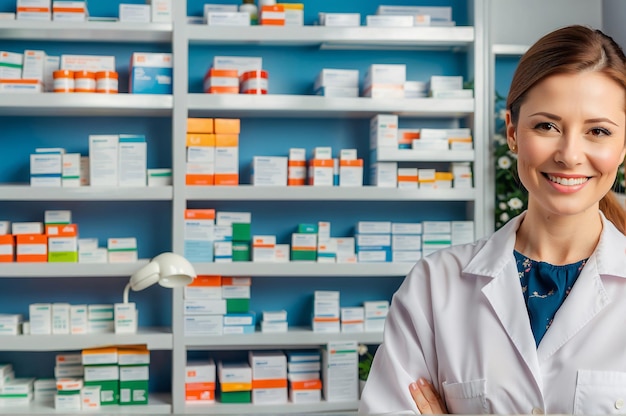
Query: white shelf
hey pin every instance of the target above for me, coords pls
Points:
(411, 155)
(319, 193)
(501, 49)
(86, 31)
(85, 104)
(296, 337)
(157, 404)
(347, 409)
(156, 338)
(54, 270)
(296, 269)
(281, 105)
(446, 38)
(84, 193)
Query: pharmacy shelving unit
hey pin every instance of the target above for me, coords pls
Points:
(465, 39)
(88, 105)
(469, 40)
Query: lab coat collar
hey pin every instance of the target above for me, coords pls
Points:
(497, 251)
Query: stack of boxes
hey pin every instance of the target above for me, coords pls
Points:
(383, 135)
(350, 169)
(322, 167)
(200, 382)
(223, 237)
(225, 15)
(114, 160)
(304, 243)
(200, 152)
(326, 311)
(68, 394)
(384, 81)
(238, 224)
(337, 83)
(352, 319)
(373, 241)
(269, 377)
(101, 370)
(303, 373)
(134, 368)
(199, 230)
(45, 389)
(274, 321)
(216, 305)
(437, 235)
(340, 371)
(235, 382)
(16, 392)
(204, 306)
(441, 86)
(375, 315)
(226, 74)
(406, 242)
(296, 167)
(10, 324)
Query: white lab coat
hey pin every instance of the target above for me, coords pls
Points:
(459, 320)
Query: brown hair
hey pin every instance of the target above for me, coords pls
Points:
(571, 50)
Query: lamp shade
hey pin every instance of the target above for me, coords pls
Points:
(167, 269)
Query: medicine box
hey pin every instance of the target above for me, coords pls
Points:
(151, 73)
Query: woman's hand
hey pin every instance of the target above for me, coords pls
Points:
(426, 398)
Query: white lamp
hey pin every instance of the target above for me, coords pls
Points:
(167, 269)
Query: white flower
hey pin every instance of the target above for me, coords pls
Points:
(499, 139)
(502, 206)
(502, 114)
(515, 203)
(504, 162)
(504, 217)
(362, 349)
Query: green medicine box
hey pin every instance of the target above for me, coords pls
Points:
(63, 257)
(237, 305)
(241, 232)
(241, 251)
(134, 384)
(307, 228)
(109, 391)
(303, 255)
(236, 397)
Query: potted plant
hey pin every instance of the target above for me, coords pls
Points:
(365, 364)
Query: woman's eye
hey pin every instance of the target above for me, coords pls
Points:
(599, 131)
(546, 126)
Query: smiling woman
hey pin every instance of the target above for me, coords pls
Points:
(503, 325)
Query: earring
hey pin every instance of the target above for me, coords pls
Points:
(513, 148)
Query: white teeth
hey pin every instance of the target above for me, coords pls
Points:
(567, 181)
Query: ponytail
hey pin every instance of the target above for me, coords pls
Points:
(614, 211)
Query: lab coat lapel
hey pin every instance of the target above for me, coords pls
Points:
(504, 291)
(588, 296)
(505, 296)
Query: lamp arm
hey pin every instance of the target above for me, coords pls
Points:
(126, 291)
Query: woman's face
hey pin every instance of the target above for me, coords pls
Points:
(570, 140)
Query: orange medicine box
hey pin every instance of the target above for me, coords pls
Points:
(199, 125)
(32, 248)
(7, 248)
(200, 139)
(273, 15)
(199, 214)
(227, 125)
(205, 281)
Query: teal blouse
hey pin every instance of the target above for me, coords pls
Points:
(545, 287)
